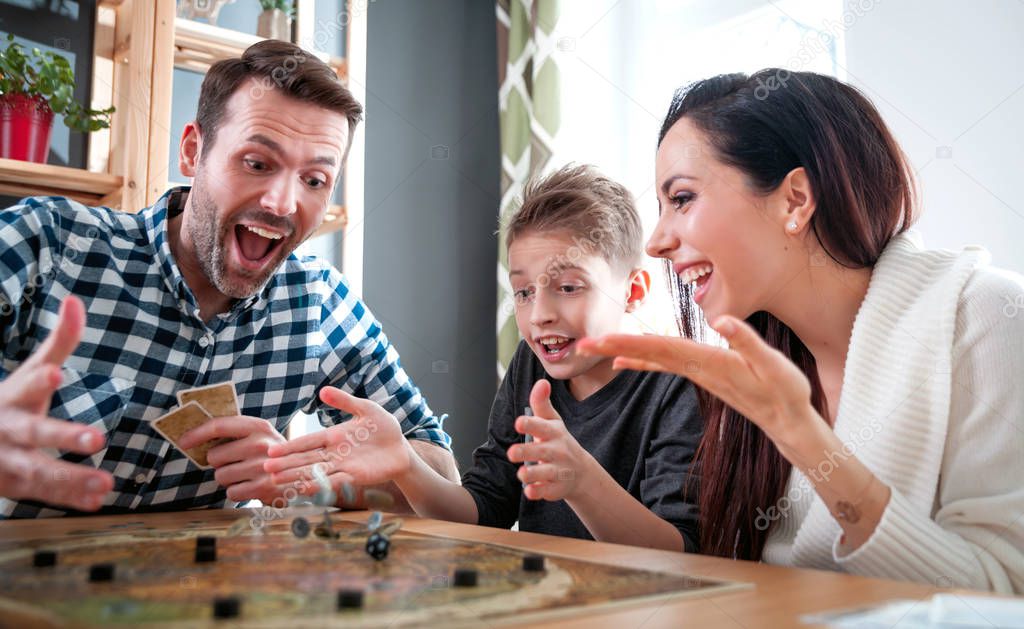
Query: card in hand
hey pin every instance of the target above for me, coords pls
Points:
(181, 420)
(219, 400)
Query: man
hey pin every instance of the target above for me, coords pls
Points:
(200, 288)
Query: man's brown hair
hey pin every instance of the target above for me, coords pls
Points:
(598, 213)
(277, 65)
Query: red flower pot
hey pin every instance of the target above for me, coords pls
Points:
(25, 125)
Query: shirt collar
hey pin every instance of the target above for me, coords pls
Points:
(171, 204)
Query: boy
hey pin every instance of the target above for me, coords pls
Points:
(610, 451)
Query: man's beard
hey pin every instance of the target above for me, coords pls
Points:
(210, 243)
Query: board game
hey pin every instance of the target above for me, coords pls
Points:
(132, 574)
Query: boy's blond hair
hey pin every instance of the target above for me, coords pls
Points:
(598, 213)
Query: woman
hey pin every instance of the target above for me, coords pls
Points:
(868, 414)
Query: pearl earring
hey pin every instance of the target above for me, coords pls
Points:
(792, 226)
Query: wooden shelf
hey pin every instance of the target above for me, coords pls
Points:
(335, 219)
(198, 45)
(138, 43)
(20, 178)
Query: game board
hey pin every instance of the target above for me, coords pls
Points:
(281, 580)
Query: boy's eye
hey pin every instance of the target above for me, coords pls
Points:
(523, 295)
(681, 199)
(315, 182)
(570, 288)
(255, 164)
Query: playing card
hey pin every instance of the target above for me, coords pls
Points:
(219, 400)
(181, 420)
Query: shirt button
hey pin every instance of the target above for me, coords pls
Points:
(140, 478)
(204, 341)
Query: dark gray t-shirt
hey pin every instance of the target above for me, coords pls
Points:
(642, 427)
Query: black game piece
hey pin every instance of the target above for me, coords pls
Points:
(227, 607)
(350, 599)
(300, 527)
(206, 541)
(533, 563)
(44, 559)
(101, 572)
(206, 553)
(464, 578)
(377, 546)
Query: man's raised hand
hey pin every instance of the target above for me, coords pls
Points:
(27, 473)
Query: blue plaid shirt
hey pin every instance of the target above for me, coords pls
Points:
(144, 340)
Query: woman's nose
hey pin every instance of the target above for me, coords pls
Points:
(663, 241)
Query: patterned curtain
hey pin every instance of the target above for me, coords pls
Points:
(529, 117)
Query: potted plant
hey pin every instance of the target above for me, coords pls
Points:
(275, 22)
(35, 85)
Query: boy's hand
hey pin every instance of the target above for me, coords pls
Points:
(562, 463)
(369, 449)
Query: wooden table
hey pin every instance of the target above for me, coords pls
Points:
(778, 598)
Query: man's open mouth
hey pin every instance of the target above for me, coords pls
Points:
(257, 245)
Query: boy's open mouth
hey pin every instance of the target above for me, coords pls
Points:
(256, 245)
(554, 348)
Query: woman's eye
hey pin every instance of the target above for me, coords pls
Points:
(681, 199)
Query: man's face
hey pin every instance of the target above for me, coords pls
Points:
(263, 187)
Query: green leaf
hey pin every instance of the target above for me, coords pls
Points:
(51, 76)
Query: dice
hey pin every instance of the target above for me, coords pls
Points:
(377, 546)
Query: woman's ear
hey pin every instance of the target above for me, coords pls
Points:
(639, 287)
(800, 203)
(189, 149)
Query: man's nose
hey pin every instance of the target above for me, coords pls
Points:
(280, 196)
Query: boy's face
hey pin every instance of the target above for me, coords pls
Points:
(561, 296)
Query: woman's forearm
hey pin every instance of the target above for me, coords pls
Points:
(853, 494)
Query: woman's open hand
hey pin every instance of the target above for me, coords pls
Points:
(751, 376)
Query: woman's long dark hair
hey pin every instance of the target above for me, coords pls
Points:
(766, 125)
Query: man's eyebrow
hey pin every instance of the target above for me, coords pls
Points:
(668, 182)
(259, 138)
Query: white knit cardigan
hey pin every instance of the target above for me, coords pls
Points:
(933, 403)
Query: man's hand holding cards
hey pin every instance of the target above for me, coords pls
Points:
(210, 431)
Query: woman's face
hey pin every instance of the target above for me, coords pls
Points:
(728, 242)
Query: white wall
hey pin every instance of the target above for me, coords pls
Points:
(621, 61)
(951, 74)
